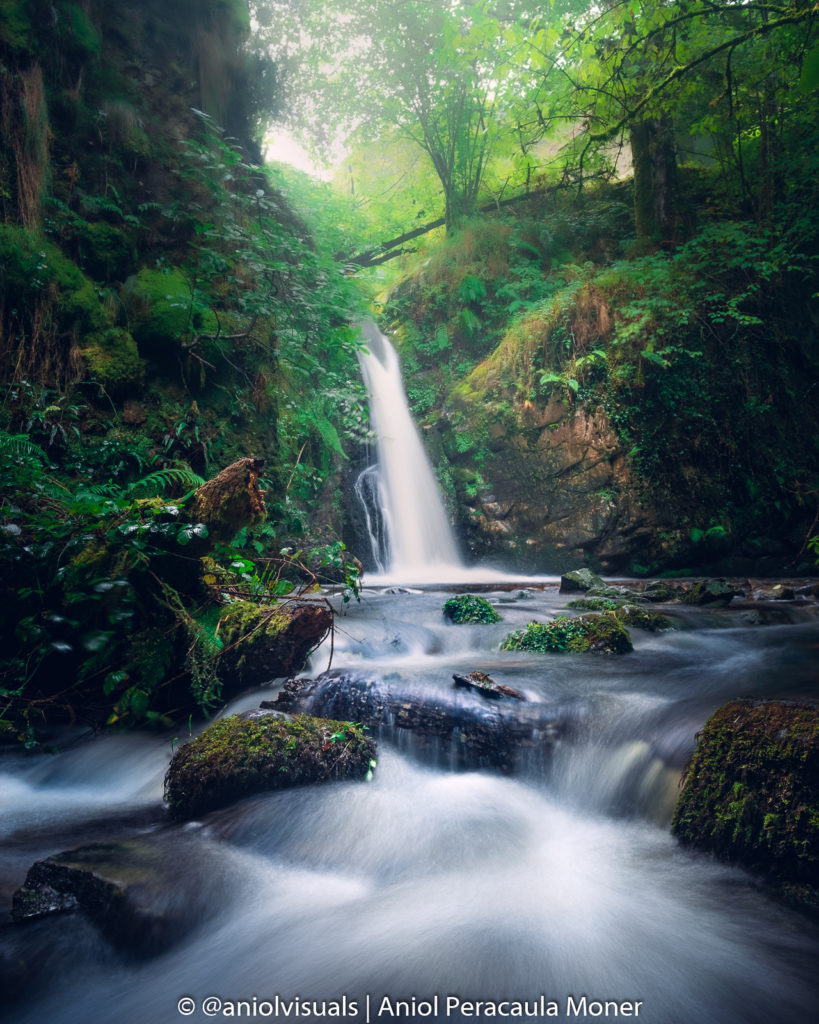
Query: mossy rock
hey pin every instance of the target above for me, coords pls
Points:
(108, 250)
(469, 608)
(643, 618)
(659, 592)
(579, 580)
(32, 268)
(263, 643)
(163, 308)
(603, 634)
(112, 361)
(710, 594)
(751, 790)
(260, 751)
(596, 604)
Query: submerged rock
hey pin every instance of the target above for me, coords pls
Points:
(262, 750)
(141, 893)
(455, 728)
(751, 789)
(640, 617)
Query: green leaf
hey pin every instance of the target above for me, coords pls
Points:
(809, 79)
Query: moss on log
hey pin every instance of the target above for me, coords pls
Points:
(259, 751)
(229, 501)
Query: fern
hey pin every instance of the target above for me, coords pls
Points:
(21, 446)
(162, 479)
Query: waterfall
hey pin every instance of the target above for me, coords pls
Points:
(409, 529)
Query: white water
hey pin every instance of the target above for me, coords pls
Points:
(417, 543)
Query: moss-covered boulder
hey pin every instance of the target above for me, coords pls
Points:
(469, 608)
(259, 751)
(579, 580)
(711, 594)
(164, 308)
(751, 790)
(263, 642)
(643, 618)
(603, 634)
(112, 361)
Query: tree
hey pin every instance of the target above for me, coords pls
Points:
(445, 76)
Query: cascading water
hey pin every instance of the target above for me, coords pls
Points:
(409, 530)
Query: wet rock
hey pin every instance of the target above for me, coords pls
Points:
(580, 580)
(264, 643)
(643, 618)
(479, 682)
(259, 751)
(711, 593)
(141, 893)
(460, 729)
(751, 789)
(659, 592)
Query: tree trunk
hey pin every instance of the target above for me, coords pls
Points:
(655, 179)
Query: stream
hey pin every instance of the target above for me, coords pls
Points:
(560, 880)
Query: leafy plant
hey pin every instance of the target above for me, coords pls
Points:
(469, 608)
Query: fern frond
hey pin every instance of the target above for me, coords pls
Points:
(20, 444)
(162, 479)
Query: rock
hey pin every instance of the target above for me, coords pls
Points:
(259, 751)
(461, 732)
(469, 608)
(141, 893)
(603, 634)
(711, 593)
(264, 643)
(481, 683)
(783, 593)
(661, 593)
(751, 789)
(579, 580)
(643, 618)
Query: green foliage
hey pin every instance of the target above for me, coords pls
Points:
(469, 608)
(601, 633)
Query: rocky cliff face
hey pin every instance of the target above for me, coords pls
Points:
(555, 487)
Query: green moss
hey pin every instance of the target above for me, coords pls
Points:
(15, 24)
(601, 633)
(643, 618)
(108, 251)
(595, 604)
(260, 751)
(163, 307)
(112, 360)
(469, 608)
(751, 789)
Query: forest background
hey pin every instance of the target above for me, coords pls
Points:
(591, 230)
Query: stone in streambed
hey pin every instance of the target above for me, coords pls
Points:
(259, 751)
(479, 682)
(579, 580)
(141, 893)
(711, 594)
(751, 792)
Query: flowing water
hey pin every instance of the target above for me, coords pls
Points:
(554, 891)
(561, 880)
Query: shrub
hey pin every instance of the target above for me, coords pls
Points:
(469, 608)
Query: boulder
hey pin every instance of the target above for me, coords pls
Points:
(640, 617)
(141, 893)
(580, 580)
(259, 751)
(469, 608)
(751, 790)
(264, 642)
(711, 594)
